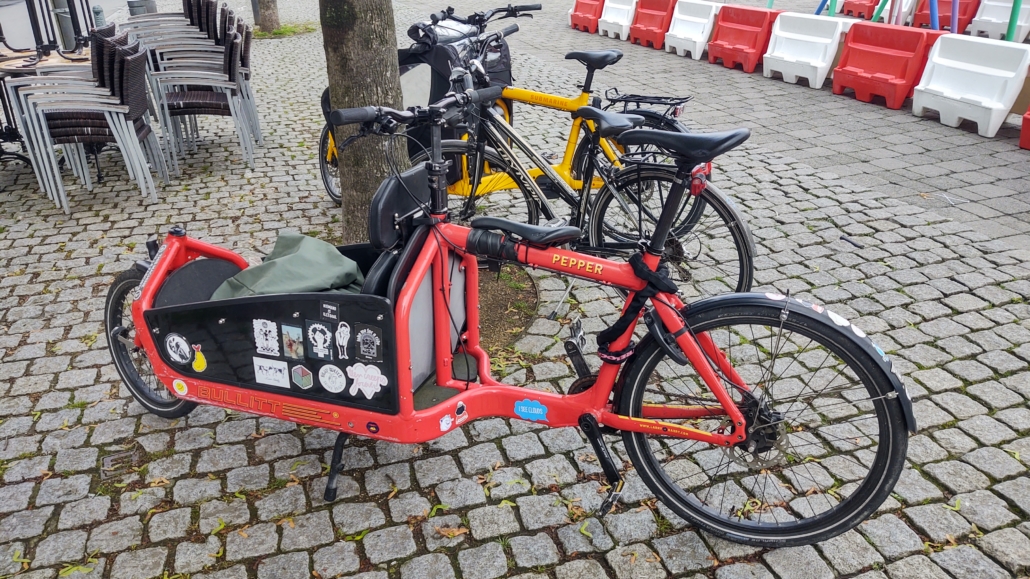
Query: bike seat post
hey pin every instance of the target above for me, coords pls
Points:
(670, 210)
(589, 80)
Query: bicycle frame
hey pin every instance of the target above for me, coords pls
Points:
(563, 169)
(487, 398)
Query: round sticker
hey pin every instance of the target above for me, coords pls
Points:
(777, 297)
(372, 427)
(332, 379)
(858, 331)
(178, 349)
(180, 387)
(837, 319)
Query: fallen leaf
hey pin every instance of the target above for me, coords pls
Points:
(449, 532)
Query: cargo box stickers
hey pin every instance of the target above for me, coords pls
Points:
(319, 351)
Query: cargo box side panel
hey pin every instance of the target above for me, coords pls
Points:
(337, 348)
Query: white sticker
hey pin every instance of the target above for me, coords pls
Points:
(271, 372)
(180, 387)
(446, 423)
(837, 319)
(321, 340)
(366, 379)
(858, 331)
(266, 338)
(332, 379)
(178, 349)
(342, 337)
(777, 297)
(461, 413)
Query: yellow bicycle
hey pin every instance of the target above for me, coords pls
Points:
(498, 175)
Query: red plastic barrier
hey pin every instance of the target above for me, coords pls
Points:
(585, 14)
(966, 11)
(651, 22)
(1024, 134)
(741, 36)
(884, 60)
(860, 8)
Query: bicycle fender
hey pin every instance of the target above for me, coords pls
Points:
(794, 306)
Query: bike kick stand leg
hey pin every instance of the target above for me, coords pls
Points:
(592, 430)
(335, 467)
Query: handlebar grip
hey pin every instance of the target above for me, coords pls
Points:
(438, 16)
(509, 30)
(528, 7)
(486, 95)
(351, 116)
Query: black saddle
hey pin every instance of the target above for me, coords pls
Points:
(609, 124)
(534, 234)
(595, 59)
(695, 148)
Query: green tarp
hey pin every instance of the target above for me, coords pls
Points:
(298, 263)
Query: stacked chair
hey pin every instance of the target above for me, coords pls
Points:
(76, 112)
(200, 67)
(172, 67)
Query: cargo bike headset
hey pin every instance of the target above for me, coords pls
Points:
(787, 433)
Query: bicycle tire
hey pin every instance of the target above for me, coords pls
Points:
(652, 120)
(709, 223)
(456, 150)
(330, 170)
(792, 515)
(134, 366)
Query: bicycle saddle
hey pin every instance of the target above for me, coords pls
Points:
(595, 59)
(609, 124)
(693, 148)
(534, 234)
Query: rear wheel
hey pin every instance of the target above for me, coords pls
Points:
(517, 204)
(826, 440)
(131, 361)
(328, 165)
(709, 250)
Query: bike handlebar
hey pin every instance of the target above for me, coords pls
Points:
(341, 117)
(509, 30)
(352, 116)
(527, 7)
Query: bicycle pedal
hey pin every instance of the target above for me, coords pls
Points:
(608, 504)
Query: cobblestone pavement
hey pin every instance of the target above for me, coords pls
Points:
(226, 495)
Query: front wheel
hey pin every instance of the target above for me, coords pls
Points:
(826, 434)
(328, 164)
(131, 361)
(709, 250)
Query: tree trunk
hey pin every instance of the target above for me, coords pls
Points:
(267, 17)
(361, 55)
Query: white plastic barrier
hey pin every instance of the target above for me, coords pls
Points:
(802, 45)
(992, 19)
(616, 18)
(691, 27)
(908, 8)
(976, 79)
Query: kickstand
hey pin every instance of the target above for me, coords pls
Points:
(592, 430)
(335, 467)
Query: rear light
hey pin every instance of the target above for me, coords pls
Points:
(676, 111)
(699, 178)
